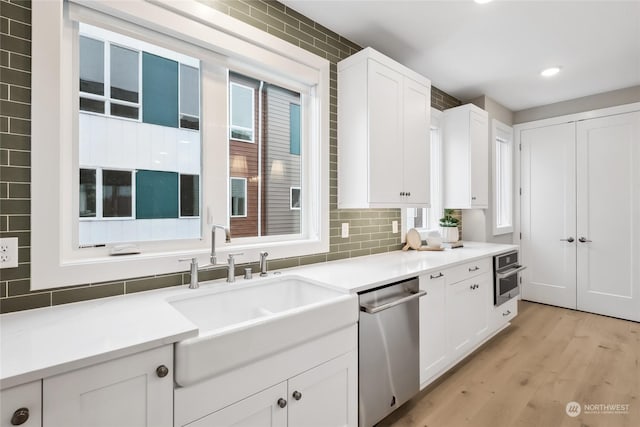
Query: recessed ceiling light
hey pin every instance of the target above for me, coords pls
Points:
(552, 71)
(482, 1)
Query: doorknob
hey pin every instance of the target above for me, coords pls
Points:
(584, 240)
(570, 240)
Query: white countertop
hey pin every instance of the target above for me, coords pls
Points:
(40, 343)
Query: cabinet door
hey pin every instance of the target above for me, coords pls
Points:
(417, 153)
(124, 392)
(608, 216)
(259, 410)
(385, 134)
(479, 146)
(21, 403)
(327, 395)
(548, 215)
(433, 327)
(468, 304)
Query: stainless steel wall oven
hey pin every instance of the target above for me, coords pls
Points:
(506, 280)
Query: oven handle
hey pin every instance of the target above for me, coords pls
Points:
(510, 272)
(376, 309)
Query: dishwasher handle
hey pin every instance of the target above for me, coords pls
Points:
(377, 309)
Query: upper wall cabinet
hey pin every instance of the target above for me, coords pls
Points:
(466, 157)
(383, 133)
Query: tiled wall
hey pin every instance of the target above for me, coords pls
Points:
(370, 230)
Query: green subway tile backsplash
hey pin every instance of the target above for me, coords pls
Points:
(370, 230)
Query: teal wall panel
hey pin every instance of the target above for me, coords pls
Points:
(156, 194)
(294, 120)
(159, 90)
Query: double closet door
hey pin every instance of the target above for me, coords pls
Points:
(580, 215)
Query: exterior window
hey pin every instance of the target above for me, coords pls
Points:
(294, 198)
(87, 199)
(189, 97)
(189, 195)
(124, 82)
(503, 186)
(156, 194)
(428, 217)
(241, 113)
(91, 75)
(294, 125)
(238, 197)
(116, 194)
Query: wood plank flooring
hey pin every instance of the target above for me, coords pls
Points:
(526, 375)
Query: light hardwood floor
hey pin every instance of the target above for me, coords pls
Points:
(526, 375)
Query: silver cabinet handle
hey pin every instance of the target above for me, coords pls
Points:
(282, 403)
(506, 313)
(584, 240)
(439, 275)
(476, 268)
(376, 309)
(570, 240)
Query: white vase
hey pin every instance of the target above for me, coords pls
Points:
(449, 234)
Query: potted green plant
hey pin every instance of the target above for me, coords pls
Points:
(449, 227)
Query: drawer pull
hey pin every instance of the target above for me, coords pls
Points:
(20, 416)
(439, 275)
(162, 371)
(474, 286)
(506, 313)
(472, 269)
(297, 395)
(282, 403)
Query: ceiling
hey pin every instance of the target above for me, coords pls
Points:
(497, 49)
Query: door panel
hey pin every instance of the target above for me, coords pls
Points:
(608, 197)
(480, 160)
(548, 214)
(416, 148)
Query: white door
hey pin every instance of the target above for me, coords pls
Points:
(327, 395)
(264, 409)
(385, 134)
(125, 392)
(416, 147)
(548, 215)
(608, 225)
(433, 327)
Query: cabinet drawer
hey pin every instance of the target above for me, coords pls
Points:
(468, 270)
(504, 313)
(22, 402)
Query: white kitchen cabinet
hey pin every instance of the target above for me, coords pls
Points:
(324, 396)
(433, 331)
(466, 157)
(21, 405)
(504, 313)
(579, 223)
(131, 391)
(468, 304)
(383, 133)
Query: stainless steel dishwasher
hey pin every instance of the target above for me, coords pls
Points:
(388, 365)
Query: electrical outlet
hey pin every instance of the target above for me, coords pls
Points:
(394, 226)
(9, 252)
(345, 230)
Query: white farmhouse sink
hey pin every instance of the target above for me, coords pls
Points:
(243, 323)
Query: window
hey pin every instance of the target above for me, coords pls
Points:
(156, 194)
(189, 195)
(503, 177)
(166, 139)
(294, 129)
(241, 113)
(238, 197)
(294, 198)
(116, 194)
(428, 218)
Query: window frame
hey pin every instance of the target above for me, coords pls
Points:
(55, 261)
(244, 186)
(502, 133)
(233, 84)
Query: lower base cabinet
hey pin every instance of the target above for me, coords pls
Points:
(133, 391)
(322, 396)
(21, 405)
